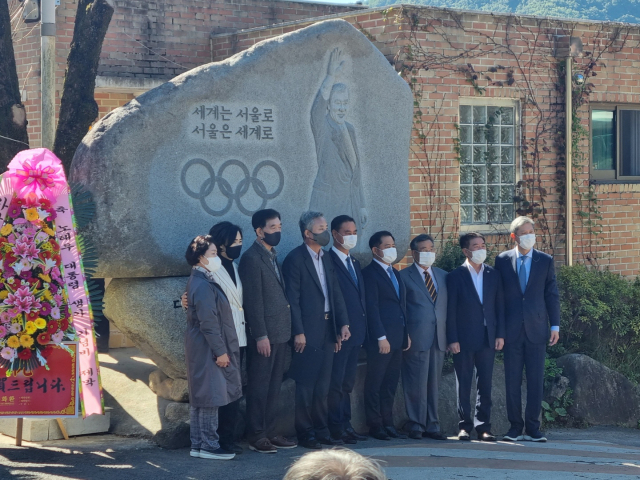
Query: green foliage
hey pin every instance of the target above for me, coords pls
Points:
(600, 317)
(451, 256)
(555, 414)
(603, 10)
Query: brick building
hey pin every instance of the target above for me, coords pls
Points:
(489, 112)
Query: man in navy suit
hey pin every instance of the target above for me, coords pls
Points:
(319, 323)
(475, 330)
(345, 361)
(532, 303)
(386, 317)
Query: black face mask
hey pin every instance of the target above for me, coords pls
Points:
(233, 252)
(272, 239)
(322, 238)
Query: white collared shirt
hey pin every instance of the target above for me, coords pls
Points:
(317, 262)
(476, 277)
(342, 257)
(424, 277)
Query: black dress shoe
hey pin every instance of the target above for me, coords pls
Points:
(435, 435)
(348, 440)
(330, 441)
(379, 434)
(310, 443)
(232, 447)
(355, 435)
(464, 435)
(415, 434)
(486, 437)
(393, 433)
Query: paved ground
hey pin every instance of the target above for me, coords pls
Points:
(595, 453)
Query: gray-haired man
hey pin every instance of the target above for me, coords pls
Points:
(319, 322)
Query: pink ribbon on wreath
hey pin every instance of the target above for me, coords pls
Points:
(36, 171)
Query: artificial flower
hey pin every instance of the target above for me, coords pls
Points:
(4, 294)
(33, 315)
(52, 327)
(46, 351)
(6, 230)
(7, 353)
(55, 313)
(31, 214)
(44, 338)
(45, 203)
(24, 354)
(64, 324)
(30, 328)
(15, 328)
(41, 237)
(45, 309)
(3, 331)
(13, 342)
(5, 317)
(47, 295)
(57, 337)
(49, 231)
(26, 341)
(44, 277)
(41, 323)
(14, 210)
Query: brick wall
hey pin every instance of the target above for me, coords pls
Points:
(434, 168)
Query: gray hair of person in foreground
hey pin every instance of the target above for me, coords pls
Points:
(519, 222)
(335, 464)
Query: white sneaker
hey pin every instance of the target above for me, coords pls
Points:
(219, 454)
(538, 438)
(513, 438)
(195, 453)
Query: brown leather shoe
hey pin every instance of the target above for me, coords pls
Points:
(281, 442)
(263, 446)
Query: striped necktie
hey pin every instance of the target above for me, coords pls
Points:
(428, 281)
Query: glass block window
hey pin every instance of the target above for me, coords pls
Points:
(487, 164)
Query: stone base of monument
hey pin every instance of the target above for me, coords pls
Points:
(40, 430)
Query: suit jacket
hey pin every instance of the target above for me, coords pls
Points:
(266, 308)
(307, 298)
(354, 299)
(538, 306)
(426, 320)
(466, 315)
(386, 313)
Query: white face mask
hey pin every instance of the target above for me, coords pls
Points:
(214, 263)
(478, 256)
(389, 255)
(349, 241)
(426, 259)
(527, 241)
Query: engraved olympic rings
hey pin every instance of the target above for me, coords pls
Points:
(249, 180)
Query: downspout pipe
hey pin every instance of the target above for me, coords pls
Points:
(569, 158)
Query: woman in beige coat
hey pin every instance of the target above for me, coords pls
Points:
(212, 351)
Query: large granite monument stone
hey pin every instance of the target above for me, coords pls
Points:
(314, 119)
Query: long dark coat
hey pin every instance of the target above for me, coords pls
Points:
(210, 333)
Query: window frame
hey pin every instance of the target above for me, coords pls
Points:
(502, 227)
(610, 176)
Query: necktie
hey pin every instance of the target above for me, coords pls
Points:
(352, 272)
(428, 281)
(522, 274)
(394, 280)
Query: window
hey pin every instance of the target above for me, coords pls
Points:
(487, 163)
(615, 142)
